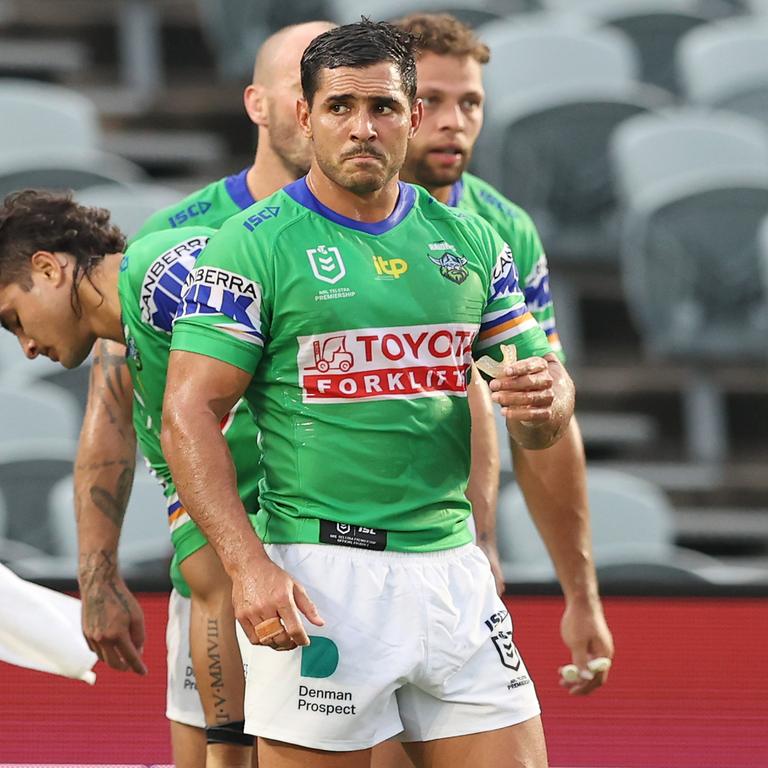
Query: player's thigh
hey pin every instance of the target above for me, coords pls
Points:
(390, 754)
(516, 746)
(188, 744)
(277, 754)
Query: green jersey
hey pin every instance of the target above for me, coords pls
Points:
(210, 206)
(152, 274)
(518, 230)
(359, 338)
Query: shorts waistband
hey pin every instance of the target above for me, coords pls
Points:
(367, 555)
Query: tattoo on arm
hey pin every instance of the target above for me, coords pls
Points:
(98, 587)
(112, 505)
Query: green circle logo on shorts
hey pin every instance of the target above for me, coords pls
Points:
(320, 658)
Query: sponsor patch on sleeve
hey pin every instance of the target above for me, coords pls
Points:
(214, 291)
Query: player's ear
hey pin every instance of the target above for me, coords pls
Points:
(417, 113)
(302, 116)
(50, 266)
(255, 100)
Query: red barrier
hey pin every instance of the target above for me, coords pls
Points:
(687, 690)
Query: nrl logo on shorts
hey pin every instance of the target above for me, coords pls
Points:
(327, 264)
(452, 266)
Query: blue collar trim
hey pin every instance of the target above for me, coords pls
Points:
(301, 193)
(237, 187)
(457, 190)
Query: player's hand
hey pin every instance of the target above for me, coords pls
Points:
(113, 623)
(585, 632)
(491, 551)
(525, 391)
(264, 591)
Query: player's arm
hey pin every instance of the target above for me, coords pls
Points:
(483, 486)
(113, 623)
(200, 391)
(553, 482)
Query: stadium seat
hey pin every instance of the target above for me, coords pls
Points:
(631, 519)
(64, 170)
(38, 411)
(28, 470)
(653, 26)
(130, 205)
(40, 116)
(725, 65)
(683, 143)
(692, 282)
(472, 12)
(555, 94)
(236, 28)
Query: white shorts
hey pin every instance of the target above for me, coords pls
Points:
(418, 645)
(182, 700)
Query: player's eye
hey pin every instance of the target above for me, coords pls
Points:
(470, 104)
(384, 109)
(429, 101)
(339, 109)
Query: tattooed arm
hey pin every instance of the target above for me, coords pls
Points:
(113, 623)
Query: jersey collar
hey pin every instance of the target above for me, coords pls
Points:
(457, 190)
(237, 187)
(301, 193)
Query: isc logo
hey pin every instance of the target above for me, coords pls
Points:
(196, 209)
(270, 212)
(392, 268)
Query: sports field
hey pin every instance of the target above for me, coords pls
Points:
(688, 690)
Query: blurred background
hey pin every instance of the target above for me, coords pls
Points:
(635, 132)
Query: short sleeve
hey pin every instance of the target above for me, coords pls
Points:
(223, 310)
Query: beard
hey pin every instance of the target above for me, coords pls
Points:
(294, 151)
(427, 173)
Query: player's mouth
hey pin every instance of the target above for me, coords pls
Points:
(449, 154)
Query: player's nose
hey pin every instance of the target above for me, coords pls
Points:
(452, 118)
(362, 128)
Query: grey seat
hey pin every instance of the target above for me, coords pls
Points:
(472, 12)
(631, 522)
(692, 282)
(38, 411)
(654, 27)
(726, 65)
(40, 115)
(236, 28)
(555, 95)
(683, 143)
(65, 170)
(28, 470)
(130, 205)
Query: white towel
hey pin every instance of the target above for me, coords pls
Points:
(40, 629)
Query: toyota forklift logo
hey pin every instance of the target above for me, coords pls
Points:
(385, 363)
(332, 355)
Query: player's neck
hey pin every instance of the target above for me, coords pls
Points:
(100, 300)
(268, 172)
(442, 194)
(372, 207)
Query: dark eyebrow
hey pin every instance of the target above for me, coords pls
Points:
(339, 97)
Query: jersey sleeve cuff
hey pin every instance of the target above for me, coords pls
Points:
(203, 340)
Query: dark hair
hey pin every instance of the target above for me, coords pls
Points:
(444, 35)
(38, 220)
(359, 45)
